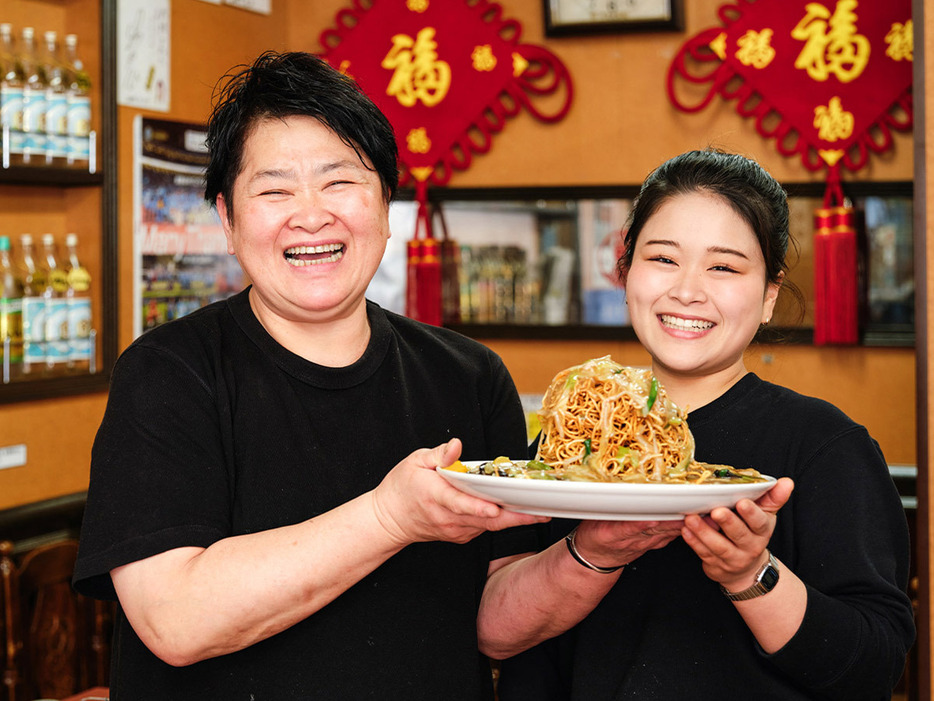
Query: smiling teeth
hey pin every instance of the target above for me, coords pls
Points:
(336, 250)
(675, 322)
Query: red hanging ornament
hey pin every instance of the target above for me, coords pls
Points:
(836, 269)
(828, 81)
(423, 276)
(447, 74)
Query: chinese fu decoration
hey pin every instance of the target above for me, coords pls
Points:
(447, 74)
(828, 80)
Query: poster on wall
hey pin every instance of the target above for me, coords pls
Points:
(143, 54)
(180, 252)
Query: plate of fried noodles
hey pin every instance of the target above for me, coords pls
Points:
(613, 447)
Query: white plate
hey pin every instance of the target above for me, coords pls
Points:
(603, 501)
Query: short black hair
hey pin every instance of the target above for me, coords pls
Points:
(280, 85)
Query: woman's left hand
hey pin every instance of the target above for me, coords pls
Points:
(732, 544)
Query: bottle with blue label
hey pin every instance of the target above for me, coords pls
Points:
(78, 96)
(56, 103)
(79, 309)
(34, 102)
(34, 283)
(57, 347)
(11, 98)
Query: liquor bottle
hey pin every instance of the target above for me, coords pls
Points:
(11, 98)
(56, 103)
(79, 106)
(34, 84)
(57, 349)
(33, 280)
(79, 309)
(11, 316)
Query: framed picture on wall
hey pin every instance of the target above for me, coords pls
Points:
(572, 17)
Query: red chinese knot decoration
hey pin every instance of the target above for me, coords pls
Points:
(447, 74)
(828, 80)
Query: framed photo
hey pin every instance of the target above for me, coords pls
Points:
(572, 17)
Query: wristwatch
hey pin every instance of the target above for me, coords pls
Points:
(766, 579)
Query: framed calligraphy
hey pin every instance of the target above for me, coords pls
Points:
(570, 17)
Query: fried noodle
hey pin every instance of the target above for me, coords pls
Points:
(603, 421)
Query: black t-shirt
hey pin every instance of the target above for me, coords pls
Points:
(212, 430)
(666, 632)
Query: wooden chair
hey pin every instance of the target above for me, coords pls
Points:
(9, 624)
(56, 642)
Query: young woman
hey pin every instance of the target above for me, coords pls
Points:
(804, 602)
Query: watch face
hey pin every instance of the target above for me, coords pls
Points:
(769, 578)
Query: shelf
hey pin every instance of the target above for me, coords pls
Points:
(105, 180)
(52, 177)
(53, 387)
(870, 338)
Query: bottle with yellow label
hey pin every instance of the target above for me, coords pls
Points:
(57, 349)
(11, 316)
(79, 309)
(33, 280)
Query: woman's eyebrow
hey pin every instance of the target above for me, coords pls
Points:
(728, 251)
(662, 242)
(271, 173)
(290, 174)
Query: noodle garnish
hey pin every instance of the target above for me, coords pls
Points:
(605, 422)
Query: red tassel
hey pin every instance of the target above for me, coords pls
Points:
(836, 288)
(429, 283)
(423, 268)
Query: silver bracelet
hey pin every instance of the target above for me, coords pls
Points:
(572, 548)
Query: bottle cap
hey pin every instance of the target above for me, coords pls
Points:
(48, 239)
(51, 35)
(28, 32)
(4, 243)
(71, 239)
(26, 239)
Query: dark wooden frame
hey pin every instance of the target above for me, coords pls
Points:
(921, 685)
(872, 336)
(673, 24)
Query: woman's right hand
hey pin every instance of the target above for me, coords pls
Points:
(612, 543)
(414, 503)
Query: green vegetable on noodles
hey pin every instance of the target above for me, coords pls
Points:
(653, 395)
(728, 473)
